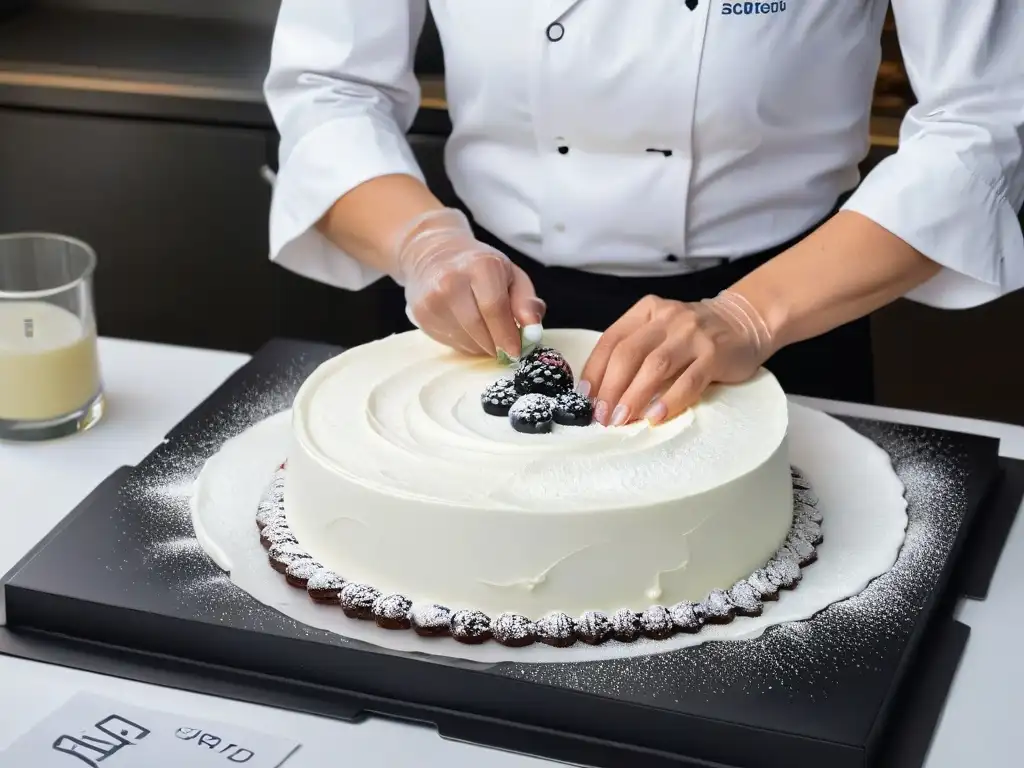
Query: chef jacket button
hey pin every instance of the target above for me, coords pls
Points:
(559, 227)
(563, 150)
(555, 32)
(672, 257)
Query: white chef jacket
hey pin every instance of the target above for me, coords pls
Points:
(606, 135)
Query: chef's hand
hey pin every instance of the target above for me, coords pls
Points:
(658, 358)
(461, 292)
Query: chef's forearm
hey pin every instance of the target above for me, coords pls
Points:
(847, 268)
(365, 222)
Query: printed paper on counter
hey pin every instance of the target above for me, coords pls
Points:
(95, 732)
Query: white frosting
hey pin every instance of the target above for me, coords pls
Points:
(398, 478)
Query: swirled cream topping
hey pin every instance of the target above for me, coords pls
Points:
(403, 416)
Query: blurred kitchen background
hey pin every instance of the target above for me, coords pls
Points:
(139, 126)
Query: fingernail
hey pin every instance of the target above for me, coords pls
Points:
(601, 413)
(656, 413)
(619, 415)
(583, 387)
(533, 333)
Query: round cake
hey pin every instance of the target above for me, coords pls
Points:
(399, 478)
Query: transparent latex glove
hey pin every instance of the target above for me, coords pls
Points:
(460, 291)
(658, 358)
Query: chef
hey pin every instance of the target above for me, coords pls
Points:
(680, 174)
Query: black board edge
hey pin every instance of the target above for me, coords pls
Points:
(946, 589)
(110, 484)
(988, 538)
(282, 693)
(169, 672)
(920, 704)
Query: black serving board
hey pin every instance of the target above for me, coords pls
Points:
(120, 587)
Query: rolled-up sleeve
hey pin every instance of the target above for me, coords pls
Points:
(343, 95)
(955, 186)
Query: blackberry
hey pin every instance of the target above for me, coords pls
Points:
(573, 410)
(531, 414)
(543, 376)
(499, 397)
(552, 357)
(537, 352)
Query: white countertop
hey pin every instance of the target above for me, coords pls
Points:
(151, 387)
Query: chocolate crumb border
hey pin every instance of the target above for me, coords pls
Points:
(746, 598)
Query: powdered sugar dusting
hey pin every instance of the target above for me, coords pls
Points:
(163, 484)
(858, 633)
(159, 492)
(163, 494)
(178, 561)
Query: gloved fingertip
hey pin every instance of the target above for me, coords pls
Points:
(533, 333)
